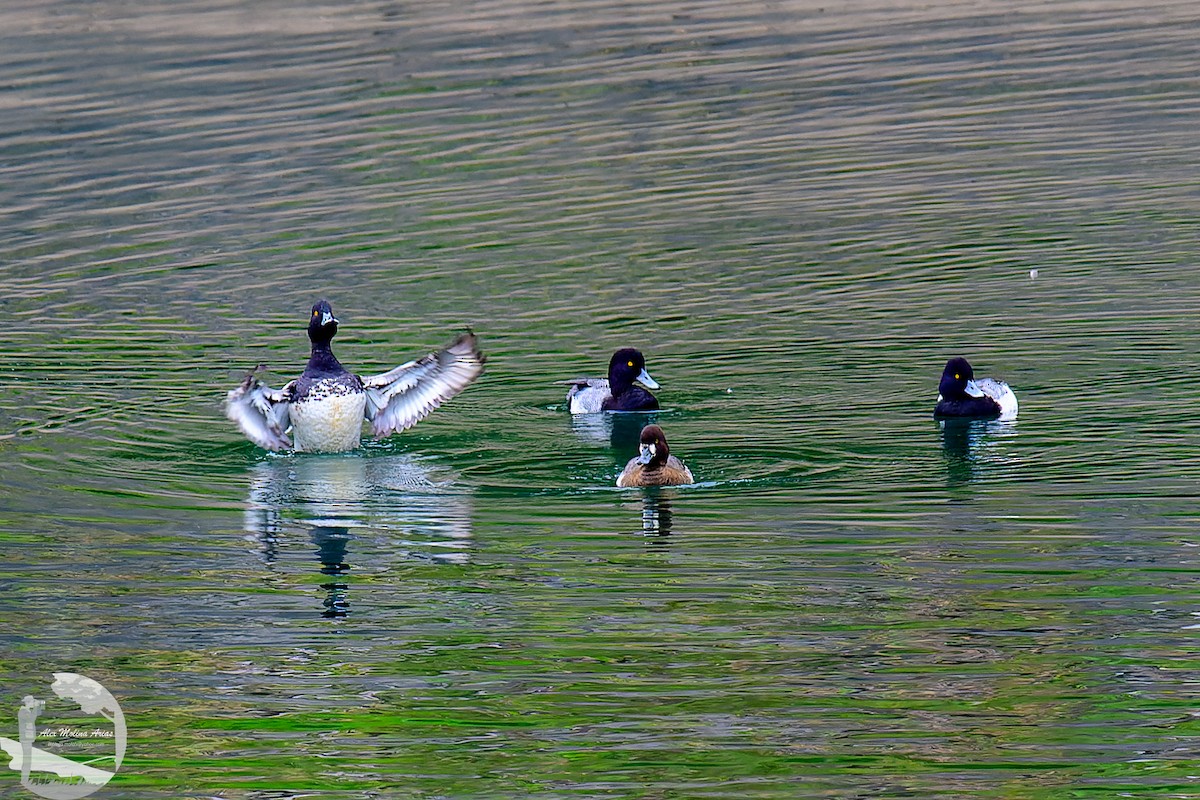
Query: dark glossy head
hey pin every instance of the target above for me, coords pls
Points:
(626, 366)
(321, 323)
(958, 381)
(653, 446)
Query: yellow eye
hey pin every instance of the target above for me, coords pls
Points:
(315, 313)
(956, 376)
(630, 363)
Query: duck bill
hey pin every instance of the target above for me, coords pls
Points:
(647, 454)
(973, 389)
(645, 380)
(327, 318)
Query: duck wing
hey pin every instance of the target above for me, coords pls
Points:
(1003, 394)
(682, 473)
(262, 413)
(402, 397)
(586, 395)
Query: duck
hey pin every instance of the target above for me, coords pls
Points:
(324, 408)
(654, 466)
(617, 392)
(960, 395)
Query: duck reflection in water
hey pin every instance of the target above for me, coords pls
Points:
(657, 516)
(618, 429)
(393, 507)
(975, 448)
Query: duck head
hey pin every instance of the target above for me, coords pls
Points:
(653, 445)
(626, 366)
(322, 325)
(958, 380)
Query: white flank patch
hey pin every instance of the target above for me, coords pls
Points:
(590, 399)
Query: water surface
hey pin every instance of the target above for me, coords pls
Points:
(798, 212)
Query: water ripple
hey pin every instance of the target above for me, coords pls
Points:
(797, 212)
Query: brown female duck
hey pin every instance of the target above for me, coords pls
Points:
(655, 466)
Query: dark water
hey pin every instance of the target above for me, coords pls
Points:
(798, 212)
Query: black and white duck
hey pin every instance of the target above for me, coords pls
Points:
(324, 408)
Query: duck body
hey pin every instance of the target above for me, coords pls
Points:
(961, 396)
(327, 415)
(328, 404)
(618, 392)
(596, 395)
(672, 473)
(654, 466)
(325, 407)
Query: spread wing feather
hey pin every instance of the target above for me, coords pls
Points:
(262, 413)
(400, 398)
